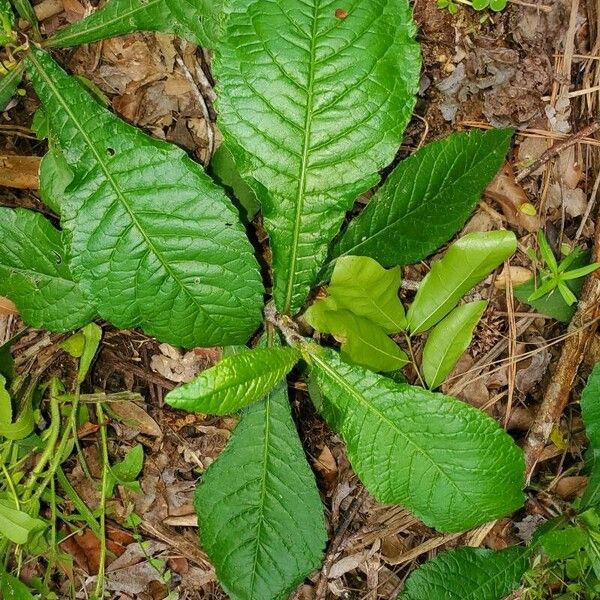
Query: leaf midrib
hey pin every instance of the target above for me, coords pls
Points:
(114, 184)
(303, 175)
(361, 399)
(62, 39)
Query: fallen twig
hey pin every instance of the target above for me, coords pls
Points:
(557, 394)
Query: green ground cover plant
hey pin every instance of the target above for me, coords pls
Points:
(312, 105)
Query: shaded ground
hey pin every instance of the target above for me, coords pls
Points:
(525, 68)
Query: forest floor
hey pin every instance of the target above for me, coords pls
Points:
(533, 67)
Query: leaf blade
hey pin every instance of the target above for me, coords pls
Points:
(35, 276)
(235, 382)
(448, 340)
(394, 438)
(185, 272)
(417, 195)
(333, 98)
(490, 575)
(250, 480)
(467, 262)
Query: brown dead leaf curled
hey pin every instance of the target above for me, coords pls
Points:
(512, 200)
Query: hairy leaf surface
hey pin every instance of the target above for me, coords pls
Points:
(313, 106)
(198, 21)
(34, 273)
(468, 574)
(260, 514)
(153, 240)
(448, 340)
(235, 382)
(450, 464)
(466, 263)
(426, 199)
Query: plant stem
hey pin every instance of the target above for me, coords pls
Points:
(413, 360)
(99, 593)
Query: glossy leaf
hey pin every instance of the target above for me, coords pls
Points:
(9, 84)
(448, 340)
(361, 285)
(16, 525)
(235, 382)
(450, 464)
(427, 198)
(364, 343)
(152, 239)
(468, 574)
(260, 514)
(193, 20)
(466, 263)
(34, 273)
(313, 106)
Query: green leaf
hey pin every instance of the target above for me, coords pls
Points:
(590, 408)
(13, 589)
(466, 263)
(563, 543)
(16, 525)
(224, 169)
(361, 285)
(34, 273)
(468, 574)
(235, 382)
(7, 17)
(128, 470)
(92, 334)
(450, 464)
(153, 240)
(260, 514)
(363, 342)
(24, 424)
(498, 5)
(119, 17)
(313, 107)
(426, 199)
(25, 10)
(9, 84)
(448, 340)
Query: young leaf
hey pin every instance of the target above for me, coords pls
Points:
(25, 422)
(313, 106)
(361, 285)
(119, 17)
(16, 525)
(364, 343)
(448, 340)
(153, 240)
(450, 464)
(127, 471)
(468, 574)
(9, 84)
(433, 191)
(563, 543)
(234, 382)
(34, 273)
(467, 262)
(260, 514)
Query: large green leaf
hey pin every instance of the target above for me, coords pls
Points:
(466, 263)
(261, 519)
(199, 21)
(12, 588)
(34, 273)
(313, 105)
(448, 340)
(450, 464)
(235, 382)
(468, 574)
(426, 199)
(153, 240)
(590, 407)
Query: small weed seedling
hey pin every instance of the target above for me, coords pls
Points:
(312, 101)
